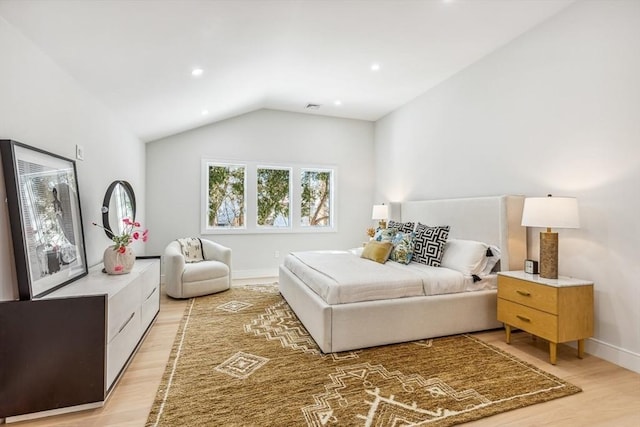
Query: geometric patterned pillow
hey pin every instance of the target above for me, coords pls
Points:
(403, 246)
(429, 245)
(403, 227)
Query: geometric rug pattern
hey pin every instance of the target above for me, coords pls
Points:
(242, 358)
(279, 323)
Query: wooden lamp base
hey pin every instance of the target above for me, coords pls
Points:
(548, 255)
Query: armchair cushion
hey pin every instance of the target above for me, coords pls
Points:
(204, 270)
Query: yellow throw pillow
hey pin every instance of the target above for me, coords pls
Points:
(377, 251)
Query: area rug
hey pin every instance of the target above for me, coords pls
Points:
(242, 358)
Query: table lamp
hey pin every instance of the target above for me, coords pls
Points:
(550, 212)
(381, 213)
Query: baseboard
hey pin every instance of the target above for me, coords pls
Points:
(51, 412)
(250, 274)
(611, 353)
(246, 274)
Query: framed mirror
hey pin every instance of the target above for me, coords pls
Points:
(119, 203)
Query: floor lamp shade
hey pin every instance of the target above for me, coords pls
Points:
(550, 212)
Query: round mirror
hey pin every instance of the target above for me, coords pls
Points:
(119, 203)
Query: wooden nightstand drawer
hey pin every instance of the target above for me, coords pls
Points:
(531, 294)
(528, 319)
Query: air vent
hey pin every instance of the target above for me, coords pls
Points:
(313, 106)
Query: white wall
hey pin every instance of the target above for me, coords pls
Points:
(40, 105)
(174, 191)
(556, 111)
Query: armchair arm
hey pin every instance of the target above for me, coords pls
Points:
(173, 267)
(217, 252)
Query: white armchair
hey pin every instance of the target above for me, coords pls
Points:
(186, 280)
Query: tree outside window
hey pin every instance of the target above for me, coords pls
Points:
(242, 197)
(226, 197)
(274, 196)
(316, 198)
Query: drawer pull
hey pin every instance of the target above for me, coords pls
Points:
(127, 322)
(152, 292)
(524, 293)
(524, 319)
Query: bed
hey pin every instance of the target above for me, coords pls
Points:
(338, 325)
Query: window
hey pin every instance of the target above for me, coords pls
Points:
(274, 196)
(251, 197)
(226, 196)
(316, 198)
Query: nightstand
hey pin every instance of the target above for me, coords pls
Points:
(557, 310)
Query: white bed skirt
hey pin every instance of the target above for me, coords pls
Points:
(344, 327)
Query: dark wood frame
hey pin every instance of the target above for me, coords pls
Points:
(107, 201)
(12, 153)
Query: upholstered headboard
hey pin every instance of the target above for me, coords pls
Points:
(494, 220)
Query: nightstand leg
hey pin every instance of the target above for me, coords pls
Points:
(553, 352)
(507, 330)
(580, 349)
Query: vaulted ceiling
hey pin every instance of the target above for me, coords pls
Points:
(137, 57)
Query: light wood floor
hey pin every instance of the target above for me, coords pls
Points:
(610, 397)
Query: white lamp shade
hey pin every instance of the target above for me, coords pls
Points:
(380, 212)
(551, 212)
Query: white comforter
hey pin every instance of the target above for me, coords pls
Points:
(341, 277)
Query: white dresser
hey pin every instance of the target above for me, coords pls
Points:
(76, 341)
(133, 300)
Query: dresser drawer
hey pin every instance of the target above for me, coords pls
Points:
(148, 280)
(541, 297)
(150, 306)
(121, 347)
(528, 319)
(121, 307)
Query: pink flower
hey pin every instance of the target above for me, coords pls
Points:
(118, 267)
(127, 236)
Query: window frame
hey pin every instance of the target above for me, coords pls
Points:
(206, 164)
(291, 205)
(251, 198)
(331, 196)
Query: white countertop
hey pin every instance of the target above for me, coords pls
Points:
(98, 283)
(560, 282)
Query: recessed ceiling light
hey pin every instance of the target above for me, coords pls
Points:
(196, 72)
(337, 102)
(205, 112)
(375, 66)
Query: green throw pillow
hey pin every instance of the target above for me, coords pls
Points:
(403, 245)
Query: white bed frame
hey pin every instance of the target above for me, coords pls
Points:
(343, 327)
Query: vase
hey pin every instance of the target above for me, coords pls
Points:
(116, 262)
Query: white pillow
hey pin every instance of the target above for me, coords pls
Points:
(466, 256)
(492, 259)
